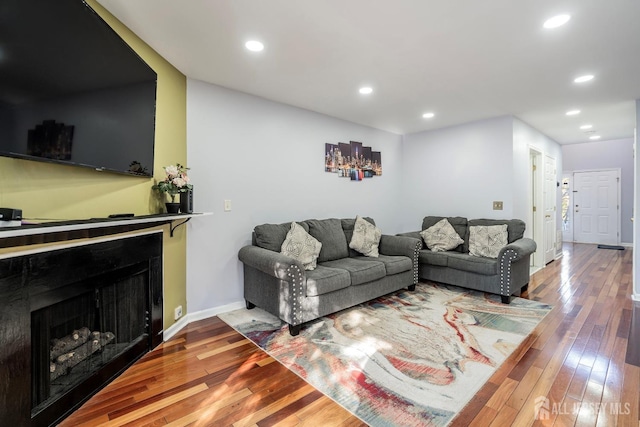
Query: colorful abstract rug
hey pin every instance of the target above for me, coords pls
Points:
(406, 359)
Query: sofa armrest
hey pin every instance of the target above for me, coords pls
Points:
(402, 246)
(413, 234)
(272, 263)
(398, 245)
(518, 249)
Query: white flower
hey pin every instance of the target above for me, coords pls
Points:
(171, 170)
(179, 182)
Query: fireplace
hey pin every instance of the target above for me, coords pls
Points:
(75, 318)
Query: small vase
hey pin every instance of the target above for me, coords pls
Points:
(186, 201)
(172, 208)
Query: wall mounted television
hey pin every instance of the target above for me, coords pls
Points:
(72, 91)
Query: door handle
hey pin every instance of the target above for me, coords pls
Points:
(547, 216)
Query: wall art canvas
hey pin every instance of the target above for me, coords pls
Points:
(353, 160)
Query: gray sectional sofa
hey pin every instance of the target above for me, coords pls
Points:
(505, 275)
(343, 277)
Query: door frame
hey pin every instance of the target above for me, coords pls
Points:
(619, 195)
(550, 227)
(536, 186)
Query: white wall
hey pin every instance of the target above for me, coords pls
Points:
(526, 138)
(268, 159)
(458, 171)
(615, 154)
(636, 209)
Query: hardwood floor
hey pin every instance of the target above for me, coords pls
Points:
(578, 366)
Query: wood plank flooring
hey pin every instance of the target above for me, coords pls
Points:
(577, 367)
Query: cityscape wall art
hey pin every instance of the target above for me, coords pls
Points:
(352, 160)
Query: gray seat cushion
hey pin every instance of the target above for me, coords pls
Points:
(427, 256)
(323, 280)
(474, 264)
(329, 233)
(392, 264)
(361, 271)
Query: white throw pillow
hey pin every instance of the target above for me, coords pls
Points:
(487, 240)
(366, 237)
(441, 236)
(302, 246)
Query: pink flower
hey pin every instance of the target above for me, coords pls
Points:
(179, 182)
(171, 170)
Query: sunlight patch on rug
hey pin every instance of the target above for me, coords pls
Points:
(409, 358)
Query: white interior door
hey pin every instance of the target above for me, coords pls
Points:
(595, 202)
(567, 206)
(549, 209)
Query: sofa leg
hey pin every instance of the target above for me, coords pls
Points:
(249, 305)
(294, 330)
(412, 287)
(505, 299)
(524, 288)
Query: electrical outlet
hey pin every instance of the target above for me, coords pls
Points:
(227, 205)
(497, 206)
(177, 313)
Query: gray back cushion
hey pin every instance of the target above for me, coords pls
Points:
(271, 236)
(515, 228)
(459, 224)
(347, 226)
(329, 233)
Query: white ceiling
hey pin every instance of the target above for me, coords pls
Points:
(463, 60)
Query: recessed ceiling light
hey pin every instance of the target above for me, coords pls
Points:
(428, 115)
(594, 137)
(583, 79)
(254, 46)
(573, 112)
(585, 127)
(556, 21)
(366, 90)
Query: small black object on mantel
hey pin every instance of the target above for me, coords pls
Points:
(186, 201)
(121, 215)
(10, 214)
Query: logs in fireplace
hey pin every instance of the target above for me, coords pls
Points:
(77, 347)
(76, 318)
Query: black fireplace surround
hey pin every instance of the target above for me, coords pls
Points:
(71, 320)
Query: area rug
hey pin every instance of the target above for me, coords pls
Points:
(406, 359)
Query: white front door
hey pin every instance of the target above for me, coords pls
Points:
(549, 209)
(595, 207)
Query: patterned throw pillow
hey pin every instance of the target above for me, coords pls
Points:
(302, 246)
(487, 240)
(441, 236)
(366, 237)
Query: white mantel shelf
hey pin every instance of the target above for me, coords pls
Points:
(86, 224)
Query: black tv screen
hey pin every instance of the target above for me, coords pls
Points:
(72, 91)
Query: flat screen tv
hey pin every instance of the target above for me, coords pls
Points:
(72, 91)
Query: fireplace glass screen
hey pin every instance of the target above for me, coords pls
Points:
(81, 328)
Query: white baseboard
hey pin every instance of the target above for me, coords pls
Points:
(200, 315)
(174, 329)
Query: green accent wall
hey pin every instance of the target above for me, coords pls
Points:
(58, 192)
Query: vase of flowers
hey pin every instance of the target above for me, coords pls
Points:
(175, 182)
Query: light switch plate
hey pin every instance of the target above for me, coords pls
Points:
(227, 205)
